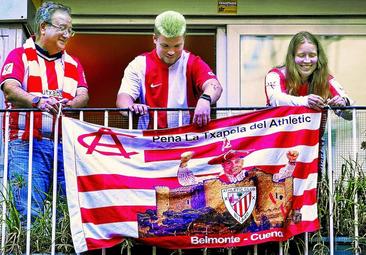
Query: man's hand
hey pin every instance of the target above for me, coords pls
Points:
(139, 109)
(50, 105)
(213, 89)
(202, 113)
(80, 100)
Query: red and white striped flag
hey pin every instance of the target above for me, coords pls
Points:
(123, 183)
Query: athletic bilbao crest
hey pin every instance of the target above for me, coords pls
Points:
(240, 201)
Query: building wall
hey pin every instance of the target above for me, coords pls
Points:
(136, 17)
(209, 7)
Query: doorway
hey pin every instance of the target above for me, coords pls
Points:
(105, 56)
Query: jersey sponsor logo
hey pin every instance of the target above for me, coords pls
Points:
(8, 69)
(52, 93)
(155, 85)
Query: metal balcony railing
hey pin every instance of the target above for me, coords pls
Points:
(344, 168)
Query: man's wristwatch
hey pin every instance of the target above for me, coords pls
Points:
(35, 101)
(206, 97)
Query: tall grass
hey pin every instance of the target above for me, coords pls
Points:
(40, 232)
(350, 184)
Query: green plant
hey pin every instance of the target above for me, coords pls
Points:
(127, 244)
(41, 228)
(294, 245)
(349, 196)
(320, 247)
(15, 230)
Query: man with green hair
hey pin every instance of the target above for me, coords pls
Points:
(169, 77)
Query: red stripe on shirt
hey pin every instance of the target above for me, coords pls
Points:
(51, 75)
(32, 54)
(157, 73)
(71, 71)
(36, 82)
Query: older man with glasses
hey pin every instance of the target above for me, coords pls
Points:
(40, 74)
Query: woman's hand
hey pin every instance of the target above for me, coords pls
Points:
(337, 101)
(316, 102)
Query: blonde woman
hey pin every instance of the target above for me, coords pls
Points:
(304, 80)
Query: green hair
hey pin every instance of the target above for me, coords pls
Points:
(170, 24)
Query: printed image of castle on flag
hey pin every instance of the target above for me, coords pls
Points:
(237, 200)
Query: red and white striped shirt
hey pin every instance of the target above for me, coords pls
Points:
(52, 74)
(156, 84)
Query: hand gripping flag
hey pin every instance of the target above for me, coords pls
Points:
(241, 180)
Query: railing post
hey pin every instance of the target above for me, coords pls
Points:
(5, 181)
(155, 119)
(330, 183)
(230, 251)
(130, 120)
(180, 118)
(30, 176)
(54, 181)
(306, 246)
(81, 116)
(255, 249)
(155, 127)
(354, 150)
(106, 121)
(280, 248)
(106, 118)
(154, 250)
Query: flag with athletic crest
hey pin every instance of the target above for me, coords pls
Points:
(240, 180)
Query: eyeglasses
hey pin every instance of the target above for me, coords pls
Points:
(63, 29)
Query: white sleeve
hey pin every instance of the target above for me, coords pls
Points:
(133, 78)
(339, 89)
(277, 97)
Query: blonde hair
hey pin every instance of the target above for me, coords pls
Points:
(170, 24)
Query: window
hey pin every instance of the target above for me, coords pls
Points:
(254, 49)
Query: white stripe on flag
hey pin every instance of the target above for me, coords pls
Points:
(117, 197)
(110, 230)
(271, 156)
(133, 169)
(301, 185)
(309, 212)
(277, 156)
